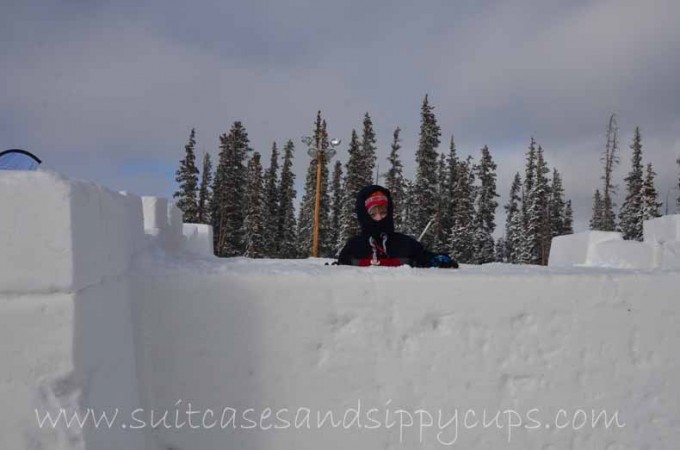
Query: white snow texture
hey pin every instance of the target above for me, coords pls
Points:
(108, 301)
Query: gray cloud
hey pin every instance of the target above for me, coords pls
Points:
(96, 87)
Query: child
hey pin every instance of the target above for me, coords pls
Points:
(378, 244)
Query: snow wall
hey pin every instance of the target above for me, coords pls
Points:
(111, 303)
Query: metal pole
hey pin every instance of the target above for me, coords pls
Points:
(317, 203)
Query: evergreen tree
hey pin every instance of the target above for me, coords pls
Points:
(538, 216)
(462, 241)
(368, 151)
(650, 197)
(408, 209)
(511, 210)
(568, 219)
(271, 205)
(254, 223)
(630, 216)
(395, 182)
(596, 220)
(529, 173)
(187, 177)
(336, 208)
(229, 192)
(354, 182)
(425, 191)
(286, 233)
(610, 159)
(451, 176)
(438, 228)
(204, 193)
(485, 211)
(501, 248)
(557, 206)
(522, 243)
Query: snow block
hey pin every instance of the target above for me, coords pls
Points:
(155, 214)
(662, 229)
(623, 255)
(59, 235)
(573, 249)
(670, 255)
(173, 238)
(199, 239)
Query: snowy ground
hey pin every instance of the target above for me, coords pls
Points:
(250, 354)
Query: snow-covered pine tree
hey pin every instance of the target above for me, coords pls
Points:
(511, 210)
(461, 243)
(425, 189)
(368, 152)
(650, 196)
(501, 248)
(538, 216)
(609, 159)
(229, 194)
(522, 244)
(596, 219)
(326, 246)
(485, 209)
(353, 183)
(253, 224)
(336, 206)
(438, 229)
(286, 233)
(204, 193)
(630, 215)
(451, 176)
(557, 205)
(394, 181)
(271, 205)
(529, 174)
(568, 219)
(407, 209)
(187, 177)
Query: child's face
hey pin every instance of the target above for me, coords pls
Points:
(378, 213)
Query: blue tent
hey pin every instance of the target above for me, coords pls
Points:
(16, 159)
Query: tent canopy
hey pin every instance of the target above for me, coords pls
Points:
(16, 159)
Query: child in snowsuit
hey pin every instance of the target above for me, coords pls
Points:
(378, 244)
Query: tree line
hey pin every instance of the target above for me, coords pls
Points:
(252, 209)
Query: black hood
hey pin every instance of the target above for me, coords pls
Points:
(370, 227)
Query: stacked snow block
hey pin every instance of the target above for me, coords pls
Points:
(664, 232)
(163, 220)
(62, 235)
(578, 248)
(199, 239)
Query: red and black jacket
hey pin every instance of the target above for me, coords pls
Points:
(378, 243)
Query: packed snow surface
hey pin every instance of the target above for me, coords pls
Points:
(106, 308)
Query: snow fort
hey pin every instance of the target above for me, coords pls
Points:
(120, 330)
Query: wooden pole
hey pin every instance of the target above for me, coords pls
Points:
(317, 203)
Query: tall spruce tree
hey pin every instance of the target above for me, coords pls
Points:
(501, 248)
(462, 240)
(204, 193)
(353, 183)
(425, 189)
(254, 223)
(408, 209)
(538, 216)
(630, 216)
(187, 177)
(336, 206)
(229, 192)
(511, 210)
(394, 181)
(596, 219)
(485, 210)
(271, 205)
(439, 231)
(368, 152)
(650, 196)
(522, 242)
(610, 159)
(286, 233)
(557, 206)
(568, 219)
(450, 183)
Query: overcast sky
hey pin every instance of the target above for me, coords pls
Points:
(109, 91)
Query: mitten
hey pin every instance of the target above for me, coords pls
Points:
(444, 261)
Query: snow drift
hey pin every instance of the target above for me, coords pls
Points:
(108, 301)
